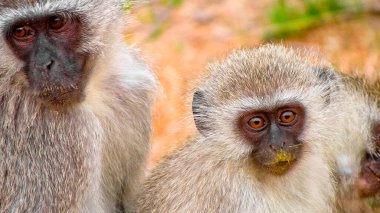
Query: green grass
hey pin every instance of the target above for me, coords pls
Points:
(158, 30)
(128, 5)
(172, 3)
(149, 16)
(287, 19)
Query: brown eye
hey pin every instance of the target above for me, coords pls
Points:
(257, 123)
(56, 22)
(287, 117)
(23, 32)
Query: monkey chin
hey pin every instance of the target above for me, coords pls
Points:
(59, 98)
(282, 162)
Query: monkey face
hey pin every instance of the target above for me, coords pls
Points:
(369, 177)
(54, 69)
(368, 182)
(274, 135)
(268, 109)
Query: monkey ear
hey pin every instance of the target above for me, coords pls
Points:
(327, 76)
(199, 107)
(326, 73)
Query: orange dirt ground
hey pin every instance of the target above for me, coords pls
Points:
(178, 42)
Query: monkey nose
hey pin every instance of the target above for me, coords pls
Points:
(278, 146)
(49, 64)
(44, 65)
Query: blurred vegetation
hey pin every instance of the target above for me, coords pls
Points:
(172, 3)
(286, 17)
(291, 17)
(149, 16)
(128, 5)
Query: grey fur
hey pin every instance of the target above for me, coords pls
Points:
(214, 173)
(86, 158)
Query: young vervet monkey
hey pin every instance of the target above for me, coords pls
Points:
(75, 104)
(273, 130)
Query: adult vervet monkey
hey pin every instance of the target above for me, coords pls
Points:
(75, 104)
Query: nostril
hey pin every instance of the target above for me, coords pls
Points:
(49, 64)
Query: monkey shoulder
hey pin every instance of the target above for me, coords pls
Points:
(124, 86)
(132, 69)
(198, 178)
(193, 169)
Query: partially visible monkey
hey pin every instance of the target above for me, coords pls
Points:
(356, 156)
(364, 183)
(369, 179)
(75, 102)
(271, 126)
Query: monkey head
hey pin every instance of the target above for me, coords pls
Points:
(47, 46)
(267, 106)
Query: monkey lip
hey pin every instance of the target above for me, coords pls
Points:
(280, 167)
(60, 95)
(281, 163)
(284, 163)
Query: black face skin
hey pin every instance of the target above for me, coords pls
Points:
(53, 67)
(274, 135)
(368, 182)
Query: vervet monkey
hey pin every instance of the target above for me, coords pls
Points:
(269, 127)
(75, 117)
(357, 156)
(369, 179)
(361, 184)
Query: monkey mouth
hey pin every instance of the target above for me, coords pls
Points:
(282, 162)
(280, 167)
(59, 95)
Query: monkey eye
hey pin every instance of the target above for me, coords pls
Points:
(372, 156)
(23, 32)
(56, 22)
(257, 123)
(287, 118)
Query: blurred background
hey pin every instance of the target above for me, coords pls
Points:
(179, 37)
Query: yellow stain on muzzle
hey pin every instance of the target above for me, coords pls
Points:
(281, 162)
